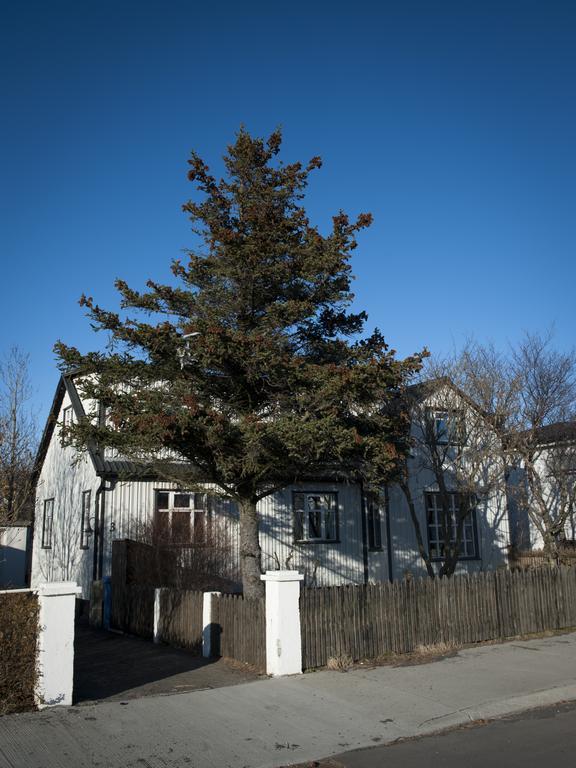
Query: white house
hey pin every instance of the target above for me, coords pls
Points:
(547, 500)
(15, 548)
(328, 530)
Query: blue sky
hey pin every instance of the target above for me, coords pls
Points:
(454, 123)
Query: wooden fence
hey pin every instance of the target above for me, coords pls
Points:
(180, 621)
(132, 609)
(373, 620)
(239, 629)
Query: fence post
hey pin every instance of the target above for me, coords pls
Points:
(156, 629)
(207, 623)
(283, 638)
(55, 661)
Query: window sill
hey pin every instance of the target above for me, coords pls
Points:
(316, 541)
(471, 559)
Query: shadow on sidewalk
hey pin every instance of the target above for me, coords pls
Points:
(114, 666)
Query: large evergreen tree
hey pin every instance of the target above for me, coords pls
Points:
(251, 366)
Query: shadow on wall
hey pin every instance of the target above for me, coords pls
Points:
(13, 565)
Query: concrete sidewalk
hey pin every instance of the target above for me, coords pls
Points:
(291, 720)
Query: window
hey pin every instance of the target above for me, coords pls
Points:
(67, 416)
(374, 524)
(181, 516)
(47, 524)
(448, 427)
(85, 529)
(468, 545)
(315, 516)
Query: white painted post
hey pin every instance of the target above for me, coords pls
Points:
(283, 639)
(55, 662)
(207, 623)
(156, 631)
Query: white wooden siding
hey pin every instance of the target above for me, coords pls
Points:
(64, 476)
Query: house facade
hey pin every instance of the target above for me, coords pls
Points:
(542, 489)
(331, 531)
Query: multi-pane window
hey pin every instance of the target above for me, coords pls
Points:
(435, 516)
(448, 427)
(374, 523)
(47, 520)
(85, 529)
(315, 516)
(182, 517)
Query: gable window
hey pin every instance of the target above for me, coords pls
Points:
(434, 514)
(315, 516)
(67, 416)
(448, 427)
(374, 523)
(85, 529)
(47, 519)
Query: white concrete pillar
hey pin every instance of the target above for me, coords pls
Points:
(156, 631)
(207, 623)
(55, 662)
(283, 639)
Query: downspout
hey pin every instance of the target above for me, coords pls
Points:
(99, 541)
(388, 533)
(364, 532)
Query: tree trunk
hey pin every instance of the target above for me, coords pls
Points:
(417, 531)
(250, 552)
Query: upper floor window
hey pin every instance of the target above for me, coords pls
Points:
(67, 416)
(47, 520)
(435, 522)
(315, 516)
(447, 427)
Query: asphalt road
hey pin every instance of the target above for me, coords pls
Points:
(543, 738)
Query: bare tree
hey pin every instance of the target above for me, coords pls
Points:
(529, 396)
(18, 437)
(542, 439)
(455, 453)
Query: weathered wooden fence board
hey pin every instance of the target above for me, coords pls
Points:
(370, 621)
(132, 609)
(239, 629)
(180, 620)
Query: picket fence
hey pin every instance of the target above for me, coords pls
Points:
(374, 620)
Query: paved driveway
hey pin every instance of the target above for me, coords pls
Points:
(116, 667)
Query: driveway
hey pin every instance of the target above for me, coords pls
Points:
(116, 667)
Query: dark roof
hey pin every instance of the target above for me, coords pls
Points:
(559, 432)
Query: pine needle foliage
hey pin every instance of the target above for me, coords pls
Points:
(251, 366)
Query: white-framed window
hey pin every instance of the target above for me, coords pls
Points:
(374, 523)
(434, 516)
(85, 529)
(184, 516)
(448, 427)
(315, 515)
(47, 520)
(67, 416)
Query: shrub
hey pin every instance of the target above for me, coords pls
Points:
(18, 643)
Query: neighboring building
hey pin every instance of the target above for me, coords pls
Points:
(15, 549)
(552, 455)
(326, 529)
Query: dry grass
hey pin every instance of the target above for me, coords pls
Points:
(340, 663)
(438, 649)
